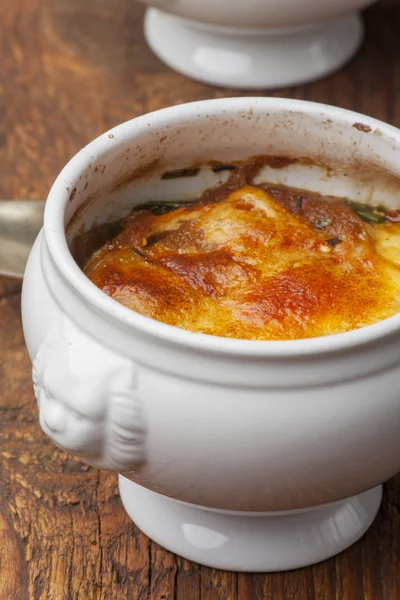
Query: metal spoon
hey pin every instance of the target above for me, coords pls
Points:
(20, 222)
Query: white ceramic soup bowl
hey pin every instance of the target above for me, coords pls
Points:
(239, 454)
(254, 43)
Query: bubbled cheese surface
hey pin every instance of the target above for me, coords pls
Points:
(258, 264)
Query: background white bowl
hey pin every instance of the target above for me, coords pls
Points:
(254, 43)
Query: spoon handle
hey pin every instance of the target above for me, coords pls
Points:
(20, 222)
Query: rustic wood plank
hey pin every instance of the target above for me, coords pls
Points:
(188, 580)
(70, 70)
(218, 585)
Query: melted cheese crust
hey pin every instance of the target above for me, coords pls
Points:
(254, 267)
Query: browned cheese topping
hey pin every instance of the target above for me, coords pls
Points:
(261, 264)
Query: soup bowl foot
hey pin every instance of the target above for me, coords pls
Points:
(253, 542)
(252, 58)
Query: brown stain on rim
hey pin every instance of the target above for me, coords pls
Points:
(138, 173)
(78, 213)
(362, 127)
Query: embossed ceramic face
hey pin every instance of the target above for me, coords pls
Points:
(87, 399)
(73, 416)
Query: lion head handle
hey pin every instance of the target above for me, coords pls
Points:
(88, 399)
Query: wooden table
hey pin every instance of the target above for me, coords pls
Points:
(69, 71)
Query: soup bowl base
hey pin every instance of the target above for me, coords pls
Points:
(252, 542)
(252, 59)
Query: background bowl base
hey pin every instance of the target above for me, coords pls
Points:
(254, 542)
(259, 59)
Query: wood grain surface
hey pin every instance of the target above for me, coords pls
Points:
(68, 71)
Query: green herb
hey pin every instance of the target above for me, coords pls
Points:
(299, 203)
(367, 213)
(161, 208)
(180, 173)
(218, 168)
(322, 223)
(334, 242)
